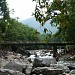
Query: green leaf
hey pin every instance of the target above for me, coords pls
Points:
(45, 30)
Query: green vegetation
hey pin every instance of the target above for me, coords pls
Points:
(64, 20)
(20, 33)
(4, 18)
(14, 31)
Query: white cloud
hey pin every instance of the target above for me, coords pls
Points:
(23, 8)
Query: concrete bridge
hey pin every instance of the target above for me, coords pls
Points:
(30, 44)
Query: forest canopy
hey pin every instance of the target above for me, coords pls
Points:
(12, 30)
(46, 10)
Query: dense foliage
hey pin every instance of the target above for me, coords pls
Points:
(12, 30)
(61, 13)
(4, 18)
(20, 33)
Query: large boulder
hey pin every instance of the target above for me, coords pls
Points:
(28, 70)
(22, 51)
(41, 61)
(38, 63)
(39, 70)
(15, 66)
(10, 72)
(72, 72)
(46, 71)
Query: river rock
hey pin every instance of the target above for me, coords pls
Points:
(46, 71)
(22, 51)
(37, 63)
(10, 72)
(41, 61)
(15, 66)
(28, 70)
(72, 72)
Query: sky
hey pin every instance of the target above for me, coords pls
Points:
(23, 8)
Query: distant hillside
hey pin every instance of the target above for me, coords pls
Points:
(36, 25)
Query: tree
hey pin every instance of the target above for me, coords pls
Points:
(4, 10)
(61, 13)
(18, 32)
(4, 17)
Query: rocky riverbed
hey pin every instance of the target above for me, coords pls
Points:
(17, 64)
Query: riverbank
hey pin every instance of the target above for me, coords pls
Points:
(18, 62)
